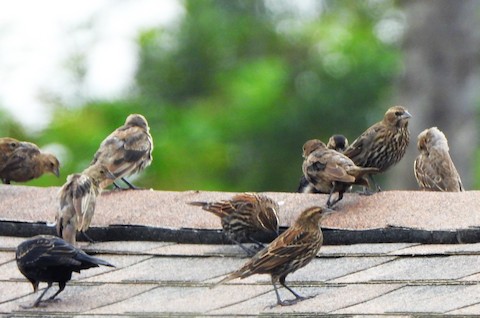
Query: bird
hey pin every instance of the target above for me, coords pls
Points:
(127, 150)
(335, 142)
(383, 144)
(7, 146)
(27, 162)
(291, 250)
(330, 171)
(77, 199)
(245, 215)
(434, 168)
(47, 258)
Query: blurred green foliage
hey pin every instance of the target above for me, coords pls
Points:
(233, 92)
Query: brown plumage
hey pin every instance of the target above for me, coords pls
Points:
(291, 250)
(46, 258)
(244, 216)
(27, 162)
(127, 150)
(77, 200)
(330, 171)
(383, 144)
(336, 142)
(433, 168)
(7, 147)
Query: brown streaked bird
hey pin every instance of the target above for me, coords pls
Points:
(291, 250)
(335, 142)
(77, 199)
(330, 171)
(46, 258)
(434, 168)
(7, 146)
(383, 144)
(127, 150)
(245, 215)
(27, 162)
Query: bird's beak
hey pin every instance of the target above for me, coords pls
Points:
(406, 115)
(327, 211)
(56, 172)
(110, 175)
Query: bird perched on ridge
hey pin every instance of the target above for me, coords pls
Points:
(245, 215)
(27, 162)
(330, 171)
(127, 150)
(384, 143)
(291, 250)
(46, 258)
(434, 168)
(7, 146)
(77, 199)
(336, 142)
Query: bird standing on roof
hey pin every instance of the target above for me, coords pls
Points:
(77, 199)
(330, 171)
(24, 161)
(127, 150)
(244, 215)
(46, 258)
(384, 143)
(434, 168)
(291, 250)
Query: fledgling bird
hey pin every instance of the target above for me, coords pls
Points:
(330, 171)
(27, 162)
(245, 215)
(77, 199)
(291, 250)
(335, 142)
(46, 258)
(127, 150)
(434, 168)
(384, 143)
(7, 146)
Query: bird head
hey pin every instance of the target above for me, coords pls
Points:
(312, 145)
(397, 116)
(431, 137)
(338, 143)
(51, 164)
(137, 120)
(313, 215)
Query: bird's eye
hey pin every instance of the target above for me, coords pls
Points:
(398, 113)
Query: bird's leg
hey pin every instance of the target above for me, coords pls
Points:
(39, 299)
(61, 286)
(330, 203)
(297, 296)
(130, 186)
(375, 185)
(88, 238)
(259, 244)
(279, 300)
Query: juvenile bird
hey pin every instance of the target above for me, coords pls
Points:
(244, 215)
(77, 198)
(7, 146)
(433, 168)
(383, 144)
(127, 150)
(291, 250)
(336, 142)
(46, 258)
(330, 171)
(27, 162)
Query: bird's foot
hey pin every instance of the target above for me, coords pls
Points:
(290, 302)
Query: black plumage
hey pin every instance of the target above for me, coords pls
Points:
(46, 258)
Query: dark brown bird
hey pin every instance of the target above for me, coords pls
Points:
(27, 162)
(291, 250)
(127, 150)
(46, 258)
(383, 144)
(7, 147)
(77, 198)
(244, 216)
(330, 171)
(434, 168)
(336, 142)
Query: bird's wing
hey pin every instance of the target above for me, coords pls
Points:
(52, 253)
(362, 142)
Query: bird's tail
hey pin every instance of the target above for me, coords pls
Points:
(361, 171)
(227, 278)
(214, 208)
(92, 260)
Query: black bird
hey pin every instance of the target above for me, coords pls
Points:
(46, 258)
